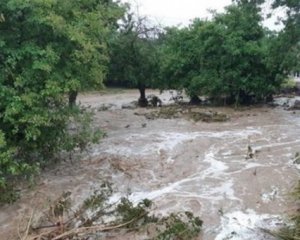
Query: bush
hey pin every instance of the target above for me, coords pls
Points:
(288, 86)
(10, 170)
(22, 154)
(48, 50)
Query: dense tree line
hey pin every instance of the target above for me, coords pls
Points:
(221, 58)
(50, 50)
(230, 59)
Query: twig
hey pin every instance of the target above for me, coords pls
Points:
(38, 237)
(28, 226)
(48, 226)
(19, 234)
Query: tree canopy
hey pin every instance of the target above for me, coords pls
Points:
(48, 49)
(134, 58)
(229, 57)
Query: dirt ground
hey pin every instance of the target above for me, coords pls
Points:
(235, 175)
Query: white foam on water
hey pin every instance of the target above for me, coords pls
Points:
(285, 101)
(270, 196)
(137, 197)
(216, 192)
(227, 153)
(174, 188)
(277, 145)
(155, 143)
(221, 192)
(213, 191)
(247, 225)
(216, 168)
(194, 185)
(170, 160)
(252, 165)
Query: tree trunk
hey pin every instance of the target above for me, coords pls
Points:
(143, 102)
(195, 100)
(269, 98)
(72, 98)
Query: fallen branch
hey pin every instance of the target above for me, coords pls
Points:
(49, 226)
(28, 226)
(39, 237)
(98, 228)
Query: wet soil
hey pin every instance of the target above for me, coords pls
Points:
(234, 174)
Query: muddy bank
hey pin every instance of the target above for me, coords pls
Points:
(182, 164)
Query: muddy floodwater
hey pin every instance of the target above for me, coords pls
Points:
(182, 165)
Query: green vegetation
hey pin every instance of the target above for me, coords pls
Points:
(48, 49)
(288, 44)
(98, 218)
(128, 211)
(134, 56)
(230, 59)
(187, 112)
(51, 50)
(225, 59)
(288, 86)
(180, 226)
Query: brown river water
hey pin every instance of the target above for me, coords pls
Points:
(182, 165)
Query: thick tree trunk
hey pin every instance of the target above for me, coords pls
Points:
(143, 102)
(195, 100)
(72, 98)
(246, 98)
(269, 98)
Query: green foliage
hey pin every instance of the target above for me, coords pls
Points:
(139, 213)
(97, 218)
(288, 85)
(180, 226)
(10, 170)
(5, 159)
(227, 57)
(133, 54)
(288, 46)
(81, 133)
(48, 49)
(98, 198)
